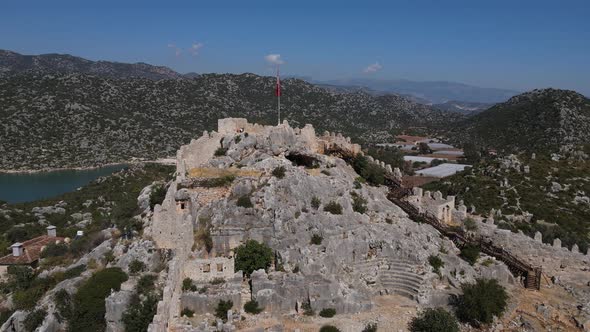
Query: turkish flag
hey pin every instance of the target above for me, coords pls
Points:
(278, 87)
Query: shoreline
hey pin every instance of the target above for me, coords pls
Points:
(165, 161)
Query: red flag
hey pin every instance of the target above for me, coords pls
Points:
(278, 87)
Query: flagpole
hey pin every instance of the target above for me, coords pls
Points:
(279, 95)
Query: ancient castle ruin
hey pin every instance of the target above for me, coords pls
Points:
(362, 255)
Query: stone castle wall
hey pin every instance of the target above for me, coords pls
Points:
(443, 208)
(207, 269)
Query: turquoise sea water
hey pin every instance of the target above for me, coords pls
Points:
(24, 187)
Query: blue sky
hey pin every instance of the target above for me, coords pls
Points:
(507, 44)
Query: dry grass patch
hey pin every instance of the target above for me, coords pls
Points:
(210, 172)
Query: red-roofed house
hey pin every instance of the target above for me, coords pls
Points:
(29, 252)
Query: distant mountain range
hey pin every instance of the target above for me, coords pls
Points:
(539, 120)
(422, 92)
(432, 92)
(53, 120)
(12, 62)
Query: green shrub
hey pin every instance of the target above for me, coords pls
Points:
(146, 284)
(222, 308)
(371, 327)
(316, 239)
(433, 320)
(237, 139)
(187, 312)
(328, 312)
(436, 162)
(157, 195)
(279, 172)
(74, 271)
(333, 207)
(359, 204)
(217, 281)
(371, 172)
(136, 266)
(138, 317)
(470, 224)
(481, 301)
(315, 202)
(252, 307)
(329, 328)
(34, 319)
(187, 285)
(142, 305)
(109, 256)
(89, 301)
(307, 310)
(436, 263)
(27, 299)
(63, 304)
(221, 151)
(54, 250)
(244, 201)
(470, 253)
(20, 277)
(252, 256)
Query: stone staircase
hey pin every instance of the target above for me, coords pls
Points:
(391, 276)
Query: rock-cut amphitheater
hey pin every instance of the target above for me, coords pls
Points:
(361, 258)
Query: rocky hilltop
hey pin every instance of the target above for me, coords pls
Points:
(540, 120)
(280, 228)
(337, 242)
(78, 120)
(12, 62)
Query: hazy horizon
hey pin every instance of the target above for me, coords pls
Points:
(522, 46)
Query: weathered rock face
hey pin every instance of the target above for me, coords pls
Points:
(368, 245)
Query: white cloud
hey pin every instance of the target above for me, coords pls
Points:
(177, 50)
(274, 59)
(195, 48)
(372, 68)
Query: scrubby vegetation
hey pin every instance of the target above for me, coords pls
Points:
(252, 256)
(222, 308)
(252, 307)
(436, 263)
(279, 172)
(157, 195)
(136, 266)
(307, 309)
(221, 151)
(434, 320)
(89, 302)
(371, 172)
(187, 312)
(470, 253)
(316, 239)
(34, 319)
(244, 201)
(142, 305)
(315, 202)
(329, 328)
(469, 224)
(202, 234)
(109, 200)
(359, 203)
(333, 207)
(328, 312)
(188, 285)
(555, 212)
(481, 301)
